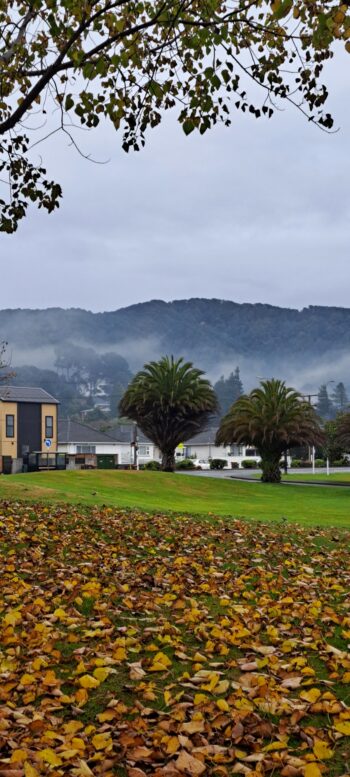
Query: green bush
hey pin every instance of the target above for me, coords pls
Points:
(250, 464)
(185, 464)
(320, 463)
(153, 465)
(340, 463)
(218, 463)
(295, 463)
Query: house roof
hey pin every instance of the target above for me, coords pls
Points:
(72, 431)
(125, 433)
(26, 394)
(203, 438)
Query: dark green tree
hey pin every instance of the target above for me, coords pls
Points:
(324, 405)
(272, 418)
(332, 448)
(128, 62)
(340, 398)
(171, 401)
(228, 390)
(343, 431)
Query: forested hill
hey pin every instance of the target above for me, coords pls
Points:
(216, 334)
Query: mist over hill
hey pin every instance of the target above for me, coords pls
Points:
(306, 347)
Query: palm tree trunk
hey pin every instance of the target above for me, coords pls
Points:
(271, 472)
(168, 461)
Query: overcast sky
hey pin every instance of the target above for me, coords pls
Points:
(258, 212)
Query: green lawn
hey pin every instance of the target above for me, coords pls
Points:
(342, 477)
(154, 491)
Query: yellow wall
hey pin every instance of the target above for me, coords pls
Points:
(8, 445)
(49, 410)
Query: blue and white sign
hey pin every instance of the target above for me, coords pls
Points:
(48, 443)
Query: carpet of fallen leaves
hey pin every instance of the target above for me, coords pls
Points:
(151, 645)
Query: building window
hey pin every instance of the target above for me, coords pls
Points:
(10, 426)
(86, 448)
(250, 452)
(49, 427)
(144, 450)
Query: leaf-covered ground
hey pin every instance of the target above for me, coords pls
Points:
(150, 645)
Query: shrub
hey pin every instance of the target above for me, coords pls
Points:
(185, 464)
(340, 463)
(153, 465)
(295, 463)
(320, 463)
(218, 463)
(250, 464)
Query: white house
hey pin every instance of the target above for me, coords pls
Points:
(87, 447)
(203, 447)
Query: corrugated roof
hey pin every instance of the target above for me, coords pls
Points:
(26, 394)
(203, 438)
(72, 431)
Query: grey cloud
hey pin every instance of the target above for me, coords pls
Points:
(257, 212)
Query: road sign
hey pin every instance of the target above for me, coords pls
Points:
(48, 443)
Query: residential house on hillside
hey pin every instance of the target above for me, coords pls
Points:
(28, 428)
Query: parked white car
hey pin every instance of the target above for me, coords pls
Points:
(201, 463)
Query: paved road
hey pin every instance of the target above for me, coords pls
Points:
(248, 474)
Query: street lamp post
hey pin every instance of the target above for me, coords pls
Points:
(327, 460)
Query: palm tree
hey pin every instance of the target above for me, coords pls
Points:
(273, 418)
(170, 401)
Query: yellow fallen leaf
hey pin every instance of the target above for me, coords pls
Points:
(223, 706)
(18, 756)
(119, 654)
(275, 746)
(27, 679)
(321, 750)
(12, 618)
(101, 741)
(69, 753)
(73, 726)
(173, 745)
(200, 698)
(312, 770)
(87, 681)
(29, 770)
(161, 658)
(343, 726)
(311, 696)
(101, 673)
(50, 757)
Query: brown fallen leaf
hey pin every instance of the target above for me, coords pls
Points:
(187, 763)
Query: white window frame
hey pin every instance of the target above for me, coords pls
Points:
(144, 451)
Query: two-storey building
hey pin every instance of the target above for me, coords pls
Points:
(28, 425)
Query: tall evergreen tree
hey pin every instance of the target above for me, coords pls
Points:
(340, 398)
(324, 405)
(228, 390)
